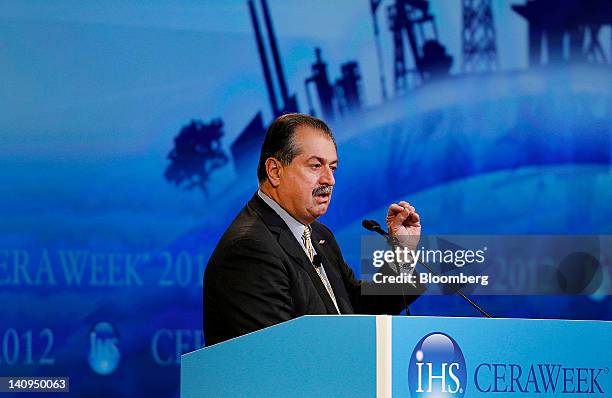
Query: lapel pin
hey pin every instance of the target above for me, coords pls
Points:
(322, 241)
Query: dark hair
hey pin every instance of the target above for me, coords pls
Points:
(279, 142)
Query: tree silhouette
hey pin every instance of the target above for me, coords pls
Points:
(196, 154)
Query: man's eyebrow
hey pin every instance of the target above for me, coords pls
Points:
(322, 160)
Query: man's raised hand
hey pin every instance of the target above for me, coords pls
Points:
(404, 223)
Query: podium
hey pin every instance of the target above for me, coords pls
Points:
(385, 356)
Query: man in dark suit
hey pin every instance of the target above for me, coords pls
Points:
(275, 262)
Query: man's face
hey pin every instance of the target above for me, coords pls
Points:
(302, 184)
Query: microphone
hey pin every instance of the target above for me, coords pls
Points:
(316, 261)
(374, 226)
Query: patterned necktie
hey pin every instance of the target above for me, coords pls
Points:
(310, 251)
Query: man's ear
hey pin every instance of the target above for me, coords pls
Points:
(274, 170)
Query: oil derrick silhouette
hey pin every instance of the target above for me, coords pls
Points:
(478, 37)
(250, 139)
(411, 19)
(197, 151)
(341, 98)
(553, 23)
(196, 154)
(348, 88)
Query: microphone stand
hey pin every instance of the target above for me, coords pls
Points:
(374, 226)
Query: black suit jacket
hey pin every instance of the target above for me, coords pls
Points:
(259, 276)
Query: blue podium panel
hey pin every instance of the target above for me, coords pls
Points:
(312, 356)
(467, 357)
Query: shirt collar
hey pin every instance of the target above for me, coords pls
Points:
(296, 227)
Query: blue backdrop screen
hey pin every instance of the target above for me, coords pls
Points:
(130, 133)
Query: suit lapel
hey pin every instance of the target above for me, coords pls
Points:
(335, 280)
(290, 245)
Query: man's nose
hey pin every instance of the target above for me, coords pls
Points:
(327, 178)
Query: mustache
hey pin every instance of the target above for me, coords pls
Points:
(324, 189)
